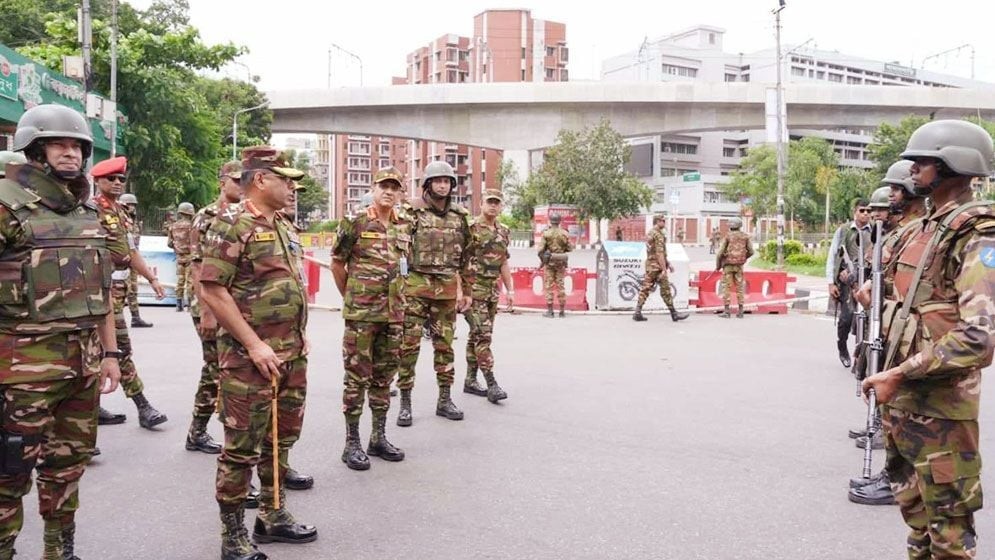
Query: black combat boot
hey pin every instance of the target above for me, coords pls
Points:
(278, 525)
(353, 455)
(379, 446)
(874, 494)
(294, 480)
(562, 313)
(137, 322)
(179, 305)
(877, 442)
(148, 416)
(199, 440)
(859, 481)
(69, 541)
(678, 315)
(725, 313)
(252, 497)
(445, 406)
(638, 314)
(471, 385)
(404, 415)
(494, 391)
(844, 353)
(549, 310)
(235, 543)
(739, 314)
(106, 418)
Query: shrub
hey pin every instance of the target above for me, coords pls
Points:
(791, 247)
(803, 259)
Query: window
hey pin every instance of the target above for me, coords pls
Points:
(795, 71)
(728, 152)
(851, 154)
(451, 76)
(711, 38)
(564, 54)
(821, 75)
(550, 51)
(359, 163)
(384, 149)
(564, 76)
(745, 78)
(730, 77)
(835, 78)
(356, 178)
(668, 172)
(853, 80)
(550, 74)
(384, 163)
(523, 52)
(523, 74)
(676, 148)
(682, 71)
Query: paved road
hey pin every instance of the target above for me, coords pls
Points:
(708, 439)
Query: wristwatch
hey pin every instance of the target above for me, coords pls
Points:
(116, 354)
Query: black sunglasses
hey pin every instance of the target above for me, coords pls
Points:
(117, 178)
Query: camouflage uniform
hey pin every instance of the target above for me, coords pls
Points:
(205, 400)
(932, 422)
(373, 310)
(734, 251)
(558, 243)
(656, 242)
(489, 255)
(179, 241)
(258, 262)
(136, 233)
(440, 244)
(48, 374)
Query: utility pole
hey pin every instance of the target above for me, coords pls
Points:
(780, 143)
(113, 77)
(86, 39)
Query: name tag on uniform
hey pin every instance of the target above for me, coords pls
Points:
(371, 235)
(265, 236)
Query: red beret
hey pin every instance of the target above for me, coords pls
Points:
(110, 167)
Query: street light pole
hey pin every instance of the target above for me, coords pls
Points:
(780, 143)
(354, 55)
(113, 77)
(234, 127)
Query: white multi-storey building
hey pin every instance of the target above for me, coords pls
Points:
(687, 170)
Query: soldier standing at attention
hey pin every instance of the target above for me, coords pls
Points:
(555, 244)
(437, 286)
(111, 176)
(944, 281)
(841, 271)
(734, 251)
(657, 266)
(179, 241)
(369, 265)
(251, 280)
(488, 263)
(49, 387)
(130, 203)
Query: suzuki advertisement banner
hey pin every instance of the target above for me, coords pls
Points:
(162, 260)
(620, 269)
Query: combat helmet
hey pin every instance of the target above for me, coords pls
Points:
(555, 219)
(438, 169)
(735, 223)
(43, 122)
(10, 157)
(964, 148)
(185, 208)
(900, 175)
(128, 198)
(879, 198)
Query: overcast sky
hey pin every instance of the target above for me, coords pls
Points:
(289, 40)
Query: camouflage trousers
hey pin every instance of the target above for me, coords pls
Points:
(441, 314)
(732, 274)
(130, 382)
(62, 417)
(205, 401)
(183, 284)
(480, 317)
(552, 278)
(246, 409)
(935, 468)
(133, 294)
(371, 354)
(650, 280)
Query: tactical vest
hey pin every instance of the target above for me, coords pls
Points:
(736, 248)
(935, 311)
(438, 243)
(57, 277)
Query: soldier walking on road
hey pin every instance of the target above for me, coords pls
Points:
(49, 388)
(734, 251)
(369, 265)
(179, 241)
(940, 341)
(553, 249)
(251, 280)
(111, 177)
(488, 263)
(130, 203)
(657, 267)
(437, 286)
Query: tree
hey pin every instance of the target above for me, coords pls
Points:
(314, 197)
(174, 133)
(226, 96)
(587, 169)
(890, 141)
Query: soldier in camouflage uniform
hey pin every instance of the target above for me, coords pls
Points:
(656, 267)
(437, 286)
(841, 265)
(556, 244)
(369, 265)
(179, 241)
(110, 178)
(734, 251)
(130, 203)
(251, 280)
(51, 379)
(941, 339)
(488, 264)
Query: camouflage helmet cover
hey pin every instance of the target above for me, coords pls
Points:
(185, 208)
(964, 147)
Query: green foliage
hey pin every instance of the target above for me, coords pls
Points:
(768, 251)
(804, 259)
(890, 141)
(587, 169)
(314, 199)
(325, 226)
(177, 119)
(513, 222)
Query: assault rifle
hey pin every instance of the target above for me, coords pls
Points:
(875, 345)
(861, 315)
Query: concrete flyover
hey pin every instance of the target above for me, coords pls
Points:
(525, 116)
